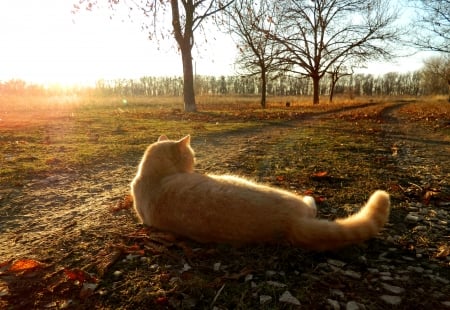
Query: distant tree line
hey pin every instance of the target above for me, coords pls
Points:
(423, 82)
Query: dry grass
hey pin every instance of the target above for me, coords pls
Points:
(95, 143)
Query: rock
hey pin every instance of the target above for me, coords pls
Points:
(391, 300)
(337, 293)
(352, 274)
(336, 263)
(446, 304)
(287, 297)
(334, 304)
(412, 218)
(248, 277)
(440, 279)
(270, 273)
(352, 305)
(415, 269)
(420, 228)
(264, 299)
(276, 284)
(216, 266)
(393, 289)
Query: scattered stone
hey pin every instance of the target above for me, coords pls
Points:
(117, 273)
(407, 258)
(270, 273)
(186, 267)
(391, 300)
(393, 289)
(412, 218)
(336, 263)
(287, 297)
(216, 266)
(420, 228)
(337, 293)
(446, 303)
(248, 277)
(264, 299)
(276, 284)
(352, 305)
(440, 279)
(415, 269)
(352, 274)
(373, 270)
(334, 304)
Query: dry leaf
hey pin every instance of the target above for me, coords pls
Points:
(320, 174)
(25, 265)
(79, 275)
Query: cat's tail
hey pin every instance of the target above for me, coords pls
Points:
(321, 235)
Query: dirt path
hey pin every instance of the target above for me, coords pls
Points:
(67, 219)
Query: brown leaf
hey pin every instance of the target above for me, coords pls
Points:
(280, 178)
(125, 203)
(320, 174)
(308, 192)
(25, 265)
(79, 275)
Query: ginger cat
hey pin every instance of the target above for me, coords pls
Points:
(170, 196)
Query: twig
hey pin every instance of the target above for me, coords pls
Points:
(217, 295)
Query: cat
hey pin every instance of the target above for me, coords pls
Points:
(170, 196)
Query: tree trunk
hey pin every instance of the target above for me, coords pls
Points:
(188, 80)
(332, 85)
(185, 40)
(316, 88)
(263, 88)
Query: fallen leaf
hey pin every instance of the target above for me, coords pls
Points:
(319, 199)
(280, 178)
(320, 174)
(79, 275)
(162, 300)
(308, 192)
(25, 265)
(125, 203)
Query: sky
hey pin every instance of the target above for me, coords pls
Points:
(43, 42)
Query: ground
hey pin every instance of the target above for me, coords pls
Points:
(70, 239)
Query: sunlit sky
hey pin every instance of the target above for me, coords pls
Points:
(43, 42)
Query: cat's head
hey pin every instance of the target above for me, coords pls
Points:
(168, 156)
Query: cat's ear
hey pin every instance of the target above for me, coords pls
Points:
(185, 142)
(163, 138)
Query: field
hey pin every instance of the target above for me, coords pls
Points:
(70, 239)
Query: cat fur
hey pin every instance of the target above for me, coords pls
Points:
(170, 196)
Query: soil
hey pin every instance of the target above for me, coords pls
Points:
(71, 240)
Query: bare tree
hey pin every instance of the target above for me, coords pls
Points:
(317, 34)
(244, 20)
(436, 74)
(432, 25)
(186, 17)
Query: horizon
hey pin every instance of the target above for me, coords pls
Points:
(56, 47)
